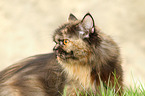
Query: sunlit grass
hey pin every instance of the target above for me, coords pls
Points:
(136, 91)
(127, 91)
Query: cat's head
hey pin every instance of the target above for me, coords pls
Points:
(74, 40)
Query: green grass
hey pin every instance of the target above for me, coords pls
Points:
(127, 91)
(136, 91)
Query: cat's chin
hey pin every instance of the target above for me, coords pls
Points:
(66, 58)
(61, 60)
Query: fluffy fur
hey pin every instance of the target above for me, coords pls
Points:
(82, 57)
(38, 75)
(88, 56)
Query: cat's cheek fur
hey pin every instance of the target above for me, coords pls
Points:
(79, 48)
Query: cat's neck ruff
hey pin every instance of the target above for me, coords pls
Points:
(77, 71)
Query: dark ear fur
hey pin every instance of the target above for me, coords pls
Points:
(72, 17)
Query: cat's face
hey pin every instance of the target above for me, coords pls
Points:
(74, 39)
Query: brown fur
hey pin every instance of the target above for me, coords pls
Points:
(97, 56)
(87, 57)
(39, 75)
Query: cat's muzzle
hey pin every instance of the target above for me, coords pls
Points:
(63, 54)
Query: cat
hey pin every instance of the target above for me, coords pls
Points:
(83, 57)
(87, 56)
(38, 75)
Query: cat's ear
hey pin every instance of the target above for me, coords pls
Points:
(72, 17)
(88, 22)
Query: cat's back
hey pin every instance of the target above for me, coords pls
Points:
(38, 75)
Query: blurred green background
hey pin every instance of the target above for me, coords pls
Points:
(27, 26)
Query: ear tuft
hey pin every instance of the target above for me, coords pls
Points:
(88, 21)
(72, 17)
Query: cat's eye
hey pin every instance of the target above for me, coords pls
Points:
(65, 41)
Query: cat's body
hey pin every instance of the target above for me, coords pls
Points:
(84, 57)
(38, 75)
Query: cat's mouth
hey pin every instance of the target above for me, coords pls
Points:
(64, 55)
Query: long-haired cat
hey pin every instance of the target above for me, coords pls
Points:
(87, 55)
(83, 57)
(38, 75)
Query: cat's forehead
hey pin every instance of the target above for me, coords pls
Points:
(67, 30)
